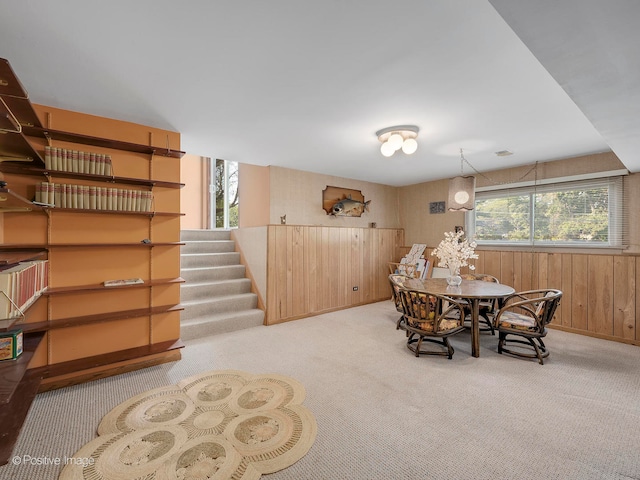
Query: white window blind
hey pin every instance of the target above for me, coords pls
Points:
(588, 212)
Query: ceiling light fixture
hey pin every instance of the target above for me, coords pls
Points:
(398, 137)
(462, 190)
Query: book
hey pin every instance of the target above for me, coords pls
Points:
(93, 205)
(74, 195)
(57, 194)
(103, 198)
(20, 285)
(85, 195)
(92, 163)
(75, 166)
(48, 163)
(127, 281)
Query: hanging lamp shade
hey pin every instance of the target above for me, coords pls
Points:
(462, 190)
(462, 193)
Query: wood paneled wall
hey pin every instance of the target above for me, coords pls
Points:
(599, 291)
(314, 269)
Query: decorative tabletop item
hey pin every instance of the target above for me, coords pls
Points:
(453, 253)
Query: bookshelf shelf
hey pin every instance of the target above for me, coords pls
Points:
(101, 288)
(113, 245)
(43, 172)
(49, 372)
(7, 324)
(15, 148)
(50, 134)
(98, 318)
(12, 254)
(112, 212)
(15, 96)
(10, 201)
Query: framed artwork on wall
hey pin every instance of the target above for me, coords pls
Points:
(436, 207)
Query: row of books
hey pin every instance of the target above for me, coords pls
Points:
(89, 197)
(66, 160)
(21, 285)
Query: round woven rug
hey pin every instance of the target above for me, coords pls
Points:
(216, 425)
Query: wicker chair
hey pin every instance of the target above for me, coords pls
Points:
(396, 281)
(527, 314)
(431, 318)
(487, 307)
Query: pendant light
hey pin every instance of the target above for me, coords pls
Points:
(462, 190)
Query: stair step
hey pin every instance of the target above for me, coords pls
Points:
(214, 305)
(220, 323)
(208, 246)
(203, 274)
(216, 296)
(186, 235)
(191, 260)
(199, 290)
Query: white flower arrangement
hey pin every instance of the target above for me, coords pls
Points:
(454, 253)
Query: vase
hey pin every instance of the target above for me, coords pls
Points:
(454, 279)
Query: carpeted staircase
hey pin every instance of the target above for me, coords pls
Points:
(216, 296)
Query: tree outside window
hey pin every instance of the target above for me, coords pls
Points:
(578, 213)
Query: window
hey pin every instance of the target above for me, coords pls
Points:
(224, 194)
(573, 213)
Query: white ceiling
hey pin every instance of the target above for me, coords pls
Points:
(306, 85)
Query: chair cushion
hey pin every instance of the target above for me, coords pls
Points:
(446, 324)
(517, 321)
(541, 305)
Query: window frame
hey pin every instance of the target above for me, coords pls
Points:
(613, 180)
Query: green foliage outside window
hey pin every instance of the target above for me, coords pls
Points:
(561, 217)
(232, 185)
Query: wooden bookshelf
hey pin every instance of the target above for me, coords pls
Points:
(90, 330)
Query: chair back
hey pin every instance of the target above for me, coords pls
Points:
(547, 306)
(430, 312)
(539, 304)
(485, 277)
(395, 280)
(488, 304)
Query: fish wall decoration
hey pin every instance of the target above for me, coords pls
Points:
(344, 202)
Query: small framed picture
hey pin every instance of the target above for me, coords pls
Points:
(436, 207)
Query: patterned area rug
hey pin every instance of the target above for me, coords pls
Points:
(217, 425)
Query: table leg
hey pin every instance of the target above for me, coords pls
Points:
(475, 327)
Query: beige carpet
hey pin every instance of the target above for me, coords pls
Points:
(382, 413)
(223, 424)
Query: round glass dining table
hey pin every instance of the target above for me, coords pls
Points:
(473, 291)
